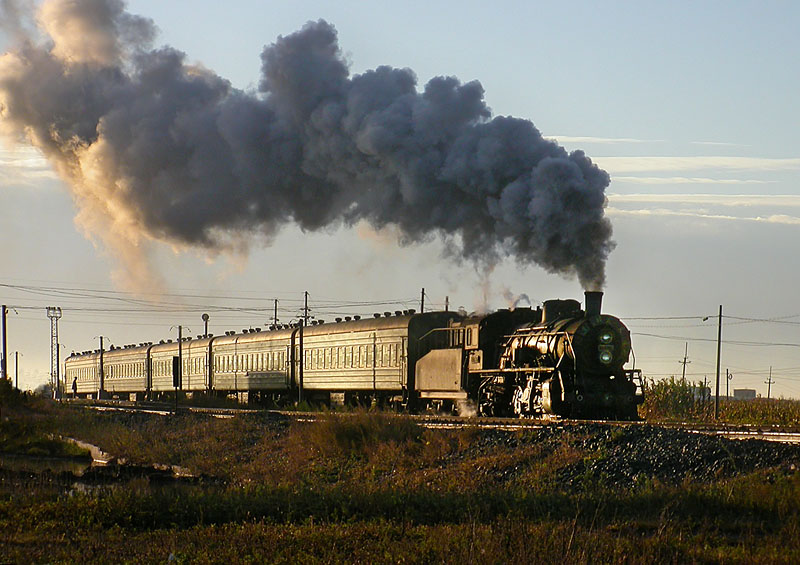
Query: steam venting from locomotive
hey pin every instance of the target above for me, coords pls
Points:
(157, 149)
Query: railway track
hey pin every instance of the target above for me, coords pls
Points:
(790, 435)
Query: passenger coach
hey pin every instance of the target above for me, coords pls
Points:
(351, 360)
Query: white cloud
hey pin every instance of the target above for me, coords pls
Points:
(618, 165)
(686, 180)
(719, 144)
(24, 166)
(773, 219)
(609, 140)
(732, 200)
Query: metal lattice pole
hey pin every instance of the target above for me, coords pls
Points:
(54, 313)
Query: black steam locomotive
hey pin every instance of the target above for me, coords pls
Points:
(557, 359)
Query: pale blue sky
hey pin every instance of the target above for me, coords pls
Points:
(688, 105)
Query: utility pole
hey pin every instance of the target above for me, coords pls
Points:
(275, 315)
(728, 377)
(306, 309)
(684, 362)
(101, 388)
(719, 351)
(300, 363)
(180, 357)
(446, 303)
(54, 313)
(205, 325)
(422, 301)
(16, 370)
(769, 382)
(4, 360)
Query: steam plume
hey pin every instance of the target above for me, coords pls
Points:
(157, 149)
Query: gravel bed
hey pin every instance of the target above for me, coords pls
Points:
(621, 456)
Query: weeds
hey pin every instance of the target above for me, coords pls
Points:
(682, 400)
(371, 487)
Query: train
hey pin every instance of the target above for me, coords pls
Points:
(554, 360)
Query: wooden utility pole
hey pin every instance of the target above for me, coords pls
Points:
(719, 351)
(4, 360)
(684, 362)
(101, 388)
(728, 377)
(301, 355)
(306, 309)
(769, 382)
(422, 301)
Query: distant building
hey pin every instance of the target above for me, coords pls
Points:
(744, 394)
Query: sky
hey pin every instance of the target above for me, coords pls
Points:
(690, 107)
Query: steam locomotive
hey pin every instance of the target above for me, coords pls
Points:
(557, 359)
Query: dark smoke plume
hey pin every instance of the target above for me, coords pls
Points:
(157, 149)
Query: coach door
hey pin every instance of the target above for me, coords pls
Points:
(403, 361)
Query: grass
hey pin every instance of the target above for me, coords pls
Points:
(370, 487)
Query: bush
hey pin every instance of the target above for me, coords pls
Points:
(675, 399)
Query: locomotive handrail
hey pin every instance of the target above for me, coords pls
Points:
(456, 343)
(514, 370)
(434, 330)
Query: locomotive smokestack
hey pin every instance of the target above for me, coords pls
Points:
(594, 302)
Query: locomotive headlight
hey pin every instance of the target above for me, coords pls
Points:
(606, 337)
(606, 354)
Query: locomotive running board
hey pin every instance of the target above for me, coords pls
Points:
(452, 395)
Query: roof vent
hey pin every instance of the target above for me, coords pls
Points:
(348, 318)
(338, 320)
(411, 311)
(356, 317)
(398, 313)
(377, 314)
(387, 314)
